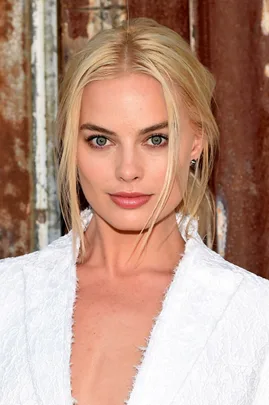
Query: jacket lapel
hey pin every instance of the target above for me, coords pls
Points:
(49, 293)
(194, 303)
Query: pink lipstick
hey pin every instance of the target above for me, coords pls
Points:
(130, 200)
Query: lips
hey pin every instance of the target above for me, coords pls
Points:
(130, 200)
(129, 195)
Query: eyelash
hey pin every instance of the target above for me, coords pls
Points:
(92, 137)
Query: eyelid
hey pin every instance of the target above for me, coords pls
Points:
(106, 136)
(158, 134)
(90, 137)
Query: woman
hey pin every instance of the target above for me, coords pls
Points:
(131, 306)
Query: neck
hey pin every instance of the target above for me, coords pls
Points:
(110, 249)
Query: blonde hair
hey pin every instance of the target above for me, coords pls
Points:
(143, 46)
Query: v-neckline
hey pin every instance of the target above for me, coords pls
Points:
(179, 269)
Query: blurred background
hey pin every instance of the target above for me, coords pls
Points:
(230, 37)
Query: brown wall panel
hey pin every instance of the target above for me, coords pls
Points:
(82, 19)
(173, 13)
(232, 43)
(15, 154)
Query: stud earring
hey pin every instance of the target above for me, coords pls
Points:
(193, 162)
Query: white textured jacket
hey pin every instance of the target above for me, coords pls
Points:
(208, 346)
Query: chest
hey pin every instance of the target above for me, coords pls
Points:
(112, 321)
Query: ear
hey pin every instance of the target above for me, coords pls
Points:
(197, 145)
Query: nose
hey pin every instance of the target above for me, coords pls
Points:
(129, 166)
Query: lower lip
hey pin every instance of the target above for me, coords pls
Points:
(130, 202)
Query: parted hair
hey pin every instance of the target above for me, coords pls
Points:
(141, 45)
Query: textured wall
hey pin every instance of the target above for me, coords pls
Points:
(173, 13)
(29, 212)
(81, 19)
(233, 41)
(15, 126)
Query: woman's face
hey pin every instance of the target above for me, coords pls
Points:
(119, 150)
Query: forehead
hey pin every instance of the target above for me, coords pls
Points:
(134, 99)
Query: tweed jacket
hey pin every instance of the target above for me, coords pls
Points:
(209, 345)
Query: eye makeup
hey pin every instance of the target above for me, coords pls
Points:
(100, 141)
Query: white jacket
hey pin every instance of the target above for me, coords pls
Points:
(208, 346)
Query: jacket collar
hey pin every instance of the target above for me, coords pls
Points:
(193, 305)
(195, 301)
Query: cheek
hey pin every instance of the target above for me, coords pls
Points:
(156, 175)
(92, 170)
(155, 168)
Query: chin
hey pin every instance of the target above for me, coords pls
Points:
(124, 220)
(135, 223)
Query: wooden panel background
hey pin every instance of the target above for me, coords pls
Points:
(233, 42)
(15, 130)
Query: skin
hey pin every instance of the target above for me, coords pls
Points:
(128, 162)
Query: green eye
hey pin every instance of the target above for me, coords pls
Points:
(158, 140)
(101, 140)
(97, 141)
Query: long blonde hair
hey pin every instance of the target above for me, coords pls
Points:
(144, 46)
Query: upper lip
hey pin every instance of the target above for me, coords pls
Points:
(130, 195)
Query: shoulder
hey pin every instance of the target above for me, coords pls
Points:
(222, 272)
(235, 297)
(13, 269)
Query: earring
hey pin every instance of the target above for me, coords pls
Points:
(193, 163)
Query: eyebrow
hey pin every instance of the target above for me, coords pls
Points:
(97, 128)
